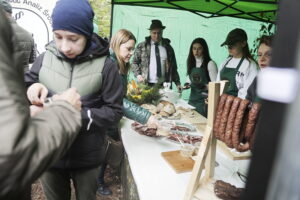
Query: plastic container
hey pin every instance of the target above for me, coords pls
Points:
(187, 150)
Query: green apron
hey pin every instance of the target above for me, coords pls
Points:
(229, 74)
(199, 80)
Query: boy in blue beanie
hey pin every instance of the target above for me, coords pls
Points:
(78, 58)
(74, 16)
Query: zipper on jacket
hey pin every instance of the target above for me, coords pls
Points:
(71, 76)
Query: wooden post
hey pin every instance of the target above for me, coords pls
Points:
(199, 165)
(223, 87)
(207, 152)
(213, 99)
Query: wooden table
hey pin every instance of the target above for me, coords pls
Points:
(147, 176)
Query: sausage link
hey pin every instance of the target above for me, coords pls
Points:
(219, 114)
(253, 115)
(237, 124)
(230, 121)
(224, 117)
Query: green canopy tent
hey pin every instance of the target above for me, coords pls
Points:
(183, 22)
(259, 10)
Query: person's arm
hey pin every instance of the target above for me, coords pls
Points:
(220, 69)
(32, 76)
(28, 146)
(32, 145)
(248, 79)
(135, 112)
(175, 75)
(187, 83)
(251, 92)
(136, 62)
(32, 84)
(109, 111)
(188, 80)
(33, 52)
(212, 70)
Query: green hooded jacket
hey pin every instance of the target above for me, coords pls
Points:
(29, 145)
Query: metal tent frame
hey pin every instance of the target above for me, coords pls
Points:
(258, 10)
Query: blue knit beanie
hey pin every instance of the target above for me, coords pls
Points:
(73, 15)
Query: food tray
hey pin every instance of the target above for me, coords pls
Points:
(185, 138)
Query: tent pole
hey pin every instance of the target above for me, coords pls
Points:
(228, 6)
(255, 1)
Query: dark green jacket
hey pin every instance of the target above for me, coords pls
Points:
(130, 109)
(24, 48)
(28, 145)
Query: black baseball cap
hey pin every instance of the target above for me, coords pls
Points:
(234, 36)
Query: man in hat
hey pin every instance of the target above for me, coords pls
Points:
(24, 47)
(154, 59)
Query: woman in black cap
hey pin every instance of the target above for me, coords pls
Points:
(239, 68)
(201, 69)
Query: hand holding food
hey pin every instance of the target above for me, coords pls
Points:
(71, 96)
(179, 88)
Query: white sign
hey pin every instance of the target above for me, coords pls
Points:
(35, 17)
(278, 84)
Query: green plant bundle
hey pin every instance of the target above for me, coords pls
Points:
(265, 29)
(141, 93)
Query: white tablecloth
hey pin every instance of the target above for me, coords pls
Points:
(155, 179)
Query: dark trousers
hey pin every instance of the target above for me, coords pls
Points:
(101, 173)
(25, 194)
(57, 184)
(115, 134)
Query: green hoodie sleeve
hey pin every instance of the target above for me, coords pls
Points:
(135, 112)
(132, 110)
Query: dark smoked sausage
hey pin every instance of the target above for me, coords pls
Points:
(230, 121)
(253, 114)
(237, 127)
(224, 117)
(219, 114)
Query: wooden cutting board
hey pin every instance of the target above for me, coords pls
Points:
(179, 163)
